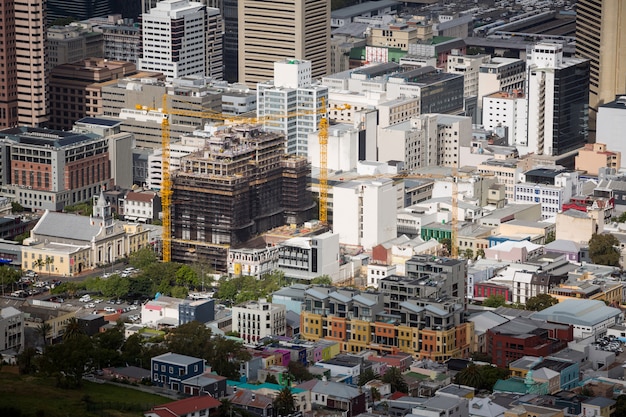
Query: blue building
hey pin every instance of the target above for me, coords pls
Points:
(201, 310)
(170, 369)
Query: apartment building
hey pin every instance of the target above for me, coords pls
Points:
(594, 156)
(558, 97)
(508, 110)
(468, 66)
(11, 329)
(368, 212)
(292, 103)
(506, 171)
(182, 38)
(305, 258)
(358, 321)
(122, 39)
(256, 320)
(550, 187)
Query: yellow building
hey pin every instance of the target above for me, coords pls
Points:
(579, 226)
(56, 259)
(398, 34)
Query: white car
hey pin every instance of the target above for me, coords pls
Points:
(109, 309)
(133, 307)
(91, 305)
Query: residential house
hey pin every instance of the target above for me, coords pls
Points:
(598, 406)
(336, 396)
(170, 369)
(197, 406)
(255, 403)
(205, 384)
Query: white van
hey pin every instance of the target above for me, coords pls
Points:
(85, 298)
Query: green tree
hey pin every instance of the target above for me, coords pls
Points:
(550, 237)
(191, 339)
(132, 350)
(322, 280)
(107, 347)
(540, 302)
(47, 262)
(187, 277)
(603, 249)
(470, 376)
(367, 376)
(447, 245)
(480, 252)
(225, 356)
(72, 329)
(620, 406)
(284, 403)
(143, 258)
(179, 292)
(27, 361)
(115, 286)
(67, 361)
(271, 379)
(622, 218)
(496, 300)
(8, 276)
(491, 375)
(17, 207)
(299, 372)
(469, 253)
(44, 329)
(20, 238)
(39, 263)
(394, 377)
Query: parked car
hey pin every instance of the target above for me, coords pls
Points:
(109, 309)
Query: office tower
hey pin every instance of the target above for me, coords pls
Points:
(231, 40)
(292, 94)
(77, 9)
(270, 31)
(30, 40)
(601, 38)
(8, 61)
(68, 44)
(182, 38)
(557, 90)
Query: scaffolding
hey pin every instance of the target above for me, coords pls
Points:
(240, 185)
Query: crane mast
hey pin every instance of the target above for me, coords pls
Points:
(323, 141)
(166, 184)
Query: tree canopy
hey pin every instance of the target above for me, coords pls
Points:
(480, 377)
(603, 249)
(540, 302)
(494, 301)
(394, 377)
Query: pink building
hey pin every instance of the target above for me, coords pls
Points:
(514, 251)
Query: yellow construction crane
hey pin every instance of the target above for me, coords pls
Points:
(166, 183)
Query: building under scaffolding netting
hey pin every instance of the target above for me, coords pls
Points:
(240, 185)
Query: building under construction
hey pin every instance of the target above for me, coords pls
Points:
(240, 185)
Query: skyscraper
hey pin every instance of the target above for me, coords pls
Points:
(8, 75)
(30, 59)
(77, 9)
(273, 30)
(182, 38)
(601, 38)
(557, 89)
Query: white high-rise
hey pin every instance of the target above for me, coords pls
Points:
(365, 212)
(292, 103)
(182, 38)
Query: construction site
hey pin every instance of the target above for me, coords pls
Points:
(240, 185)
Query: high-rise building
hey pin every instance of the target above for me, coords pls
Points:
(77, 9)
(557, 90)
(292, 94)
(30, 57)
(240, 185)
(76, 89)
(182, 38)
(8, 60)
(68, 44)
(601, 38)
(272, 30)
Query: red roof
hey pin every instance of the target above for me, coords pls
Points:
(186, 406)
(145, 197)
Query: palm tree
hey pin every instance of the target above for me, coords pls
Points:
(470, 376)
(44, 329)
(47, 262)
(226, 408)
(72, 328)
(394, 377)
(284, 403)
(39, 263)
